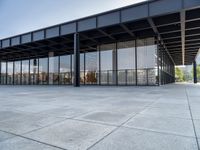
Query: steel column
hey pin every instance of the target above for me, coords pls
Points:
(76, 60)
(195, 71)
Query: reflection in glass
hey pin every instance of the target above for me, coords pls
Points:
(17, 72)
(43, 71)
(65, 69)
(146, 61)
(3, 72)
(10, 73)
(126, 62)
(91, 67)
(108, 64)
(82, 65)
(25, 72)
(53, 70)
(34, 71)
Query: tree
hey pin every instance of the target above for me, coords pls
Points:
(198, 72)
(179, 75)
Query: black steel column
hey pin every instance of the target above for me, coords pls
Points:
(158, 62)
(0, 72)
(195, 71)
(6, 72)
(76, 60)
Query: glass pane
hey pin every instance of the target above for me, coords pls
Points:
(17, 73)
(126, 62)
(10, 73)
(146, 61)
(34, 71)
(108, 64)
(65, 69)
(91, 68)
(25, 72)
(3, 72)
(43, 71)
(82, 75)
(53, 70)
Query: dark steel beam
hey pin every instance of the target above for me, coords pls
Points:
(152, 24)
(88, 38)
(127, 30)
(106, 34)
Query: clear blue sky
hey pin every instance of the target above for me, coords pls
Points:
(20, 16)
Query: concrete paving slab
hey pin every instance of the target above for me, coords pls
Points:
(162, 124)
(5, 136)
(197, 127)
(66, 112)
(19, 143)
(170, 105)
(129, 139)
(162, 110)
(195, 112)
(111, 118)
(71, 134)
(168, 112)
(27, 123)
(6, 115)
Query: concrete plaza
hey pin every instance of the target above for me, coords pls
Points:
(100, 118)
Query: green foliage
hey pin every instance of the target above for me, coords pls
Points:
(179, 75)
(198, 71)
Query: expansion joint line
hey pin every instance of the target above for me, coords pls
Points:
(117, 127)
(198, 146)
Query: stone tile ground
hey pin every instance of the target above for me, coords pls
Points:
(100, 118)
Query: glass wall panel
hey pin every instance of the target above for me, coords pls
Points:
(53, 70)
(43, 70)
(10, 73)
(25, 72)
(126, 63)
(108, 64)
(3, 72)
(17, 72)
(65, 69)
(34, 71)
(146, 61)
(91, 67)
(152, 62)
(82, 65)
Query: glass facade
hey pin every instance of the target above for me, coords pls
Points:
(3, 72)
(53, 70)
(126, 63)
(25, 72)
(91, 68)
(166, 67)
(34, 71)
(10, 73)
(134, 62)
(43, 71)
(65, 76)
(82, 68)
(146, 62)
(17, 72)
(108, 64)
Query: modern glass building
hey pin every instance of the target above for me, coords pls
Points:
(135, 45)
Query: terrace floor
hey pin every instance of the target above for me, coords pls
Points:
(100, 118)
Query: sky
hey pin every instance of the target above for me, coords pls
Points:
(21, 16)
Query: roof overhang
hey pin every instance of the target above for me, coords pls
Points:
(175, 22)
